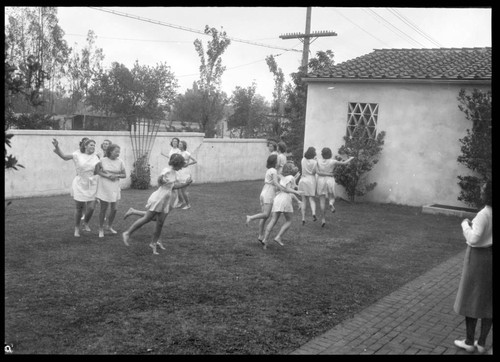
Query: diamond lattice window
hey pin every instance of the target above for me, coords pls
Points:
(364, 117)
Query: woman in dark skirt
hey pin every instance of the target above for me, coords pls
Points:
(474, 297)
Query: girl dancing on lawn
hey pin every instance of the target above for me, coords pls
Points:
(160, 202)
(271, 184)
(183, 174)
(325, 184)
(110, 170)
(84, 185)
(283, 203)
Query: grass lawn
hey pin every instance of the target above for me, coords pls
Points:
(214, 290)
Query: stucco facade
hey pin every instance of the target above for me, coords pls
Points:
(423, 124)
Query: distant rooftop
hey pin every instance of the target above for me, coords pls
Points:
(439, 63)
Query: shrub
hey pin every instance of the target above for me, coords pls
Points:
(141, 174)
(353, 175)
(476, 145)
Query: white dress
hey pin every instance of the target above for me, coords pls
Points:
(325, 185)
(164, 198)
(84, 185)
(307, 182)
(184, 173)
(269, 190)
(283, 200)
(108, 190)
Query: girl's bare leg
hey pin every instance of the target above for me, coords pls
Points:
(90, 205)
(264, 214)
(78, 216)
(185, 199)
(148, 216)
(111, 217)
(266, 209)
(284, 227)
(303, 209)
(274, 219)
(132, 211)
(157, 233)
(312, 201)
(102, 215)
(322, 199)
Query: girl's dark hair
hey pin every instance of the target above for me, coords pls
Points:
(272, 160)
(486, 196)
(176, 161)
(310, 153)
(84, 142)
(274, 144)
(282, 147)
(184, 143)
(175, 138)
(326, 153)
(289, 169)
(111, 148)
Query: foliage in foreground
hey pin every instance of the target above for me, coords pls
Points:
(476, 145)
(366, 152)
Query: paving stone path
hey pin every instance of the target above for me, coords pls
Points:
(418, 318)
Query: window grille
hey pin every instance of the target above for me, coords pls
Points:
(362, 116)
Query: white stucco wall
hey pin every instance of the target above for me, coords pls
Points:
(45, 174)
(423, 125)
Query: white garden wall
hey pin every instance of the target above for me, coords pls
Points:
(45, 174)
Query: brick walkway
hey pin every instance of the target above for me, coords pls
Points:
(416, 319)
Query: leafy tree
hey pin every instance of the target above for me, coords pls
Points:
(249, 113)
(366, 152)
(476, 145)
(37, 49)
(211, 70)
(277, 107)
(141, 97)
(188, 107)
(83, 67)
(295, 105)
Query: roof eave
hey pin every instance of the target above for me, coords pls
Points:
(396, 80)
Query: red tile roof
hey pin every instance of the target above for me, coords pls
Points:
(440, 63)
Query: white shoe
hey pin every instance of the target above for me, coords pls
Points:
(85, 227)
(112, 231)
(186, 207)
(77, 232)
(480, 348)
(461, 344)
(161, 245)
(101, 233)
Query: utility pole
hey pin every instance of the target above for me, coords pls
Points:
(305, 38)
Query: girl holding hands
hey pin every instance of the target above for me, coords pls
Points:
(84, 185)
(325, 184)
(283, 204)
(160, 202)
(110, 169)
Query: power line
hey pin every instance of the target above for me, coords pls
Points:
(145, 40)
(185, 28)
(367, 32)
(235, 67)
(373, 13)
(413, 26)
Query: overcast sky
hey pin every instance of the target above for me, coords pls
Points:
(359, 31)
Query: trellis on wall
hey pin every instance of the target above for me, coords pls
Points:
(363, 116)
